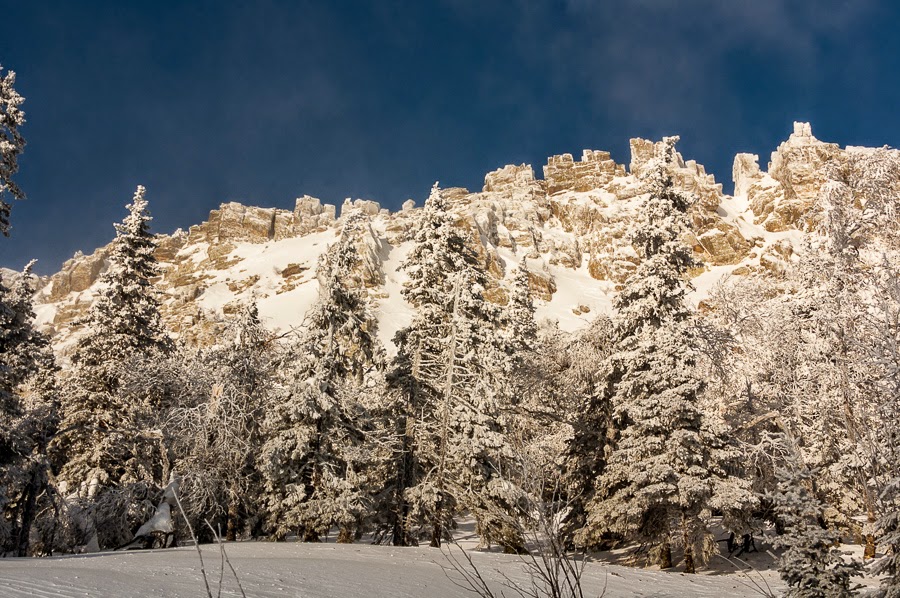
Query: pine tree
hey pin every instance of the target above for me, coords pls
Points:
(315, 460)
(810, 564)
(662, 473)
(125, 318)
(104, 436)
(17, 340)
(521, 343)
(29, 414)
(451, 361)
(11, 443)
(579, 399)
(11, 145)
(521, 326)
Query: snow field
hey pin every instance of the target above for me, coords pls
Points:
(296, 569)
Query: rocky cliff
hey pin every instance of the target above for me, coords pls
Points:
(571, 228)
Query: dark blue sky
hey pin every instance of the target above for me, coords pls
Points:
(260, 102)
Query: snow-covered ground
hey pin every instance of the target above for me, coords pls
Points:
(323, 571)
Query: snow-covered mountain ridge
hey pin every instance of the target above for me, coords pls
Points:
(570, 227)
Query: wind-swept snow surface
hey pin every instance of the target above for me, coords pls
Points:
(319, 571)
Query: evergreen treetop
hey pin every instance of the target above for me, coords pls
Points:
(12, 144)
(125, 318)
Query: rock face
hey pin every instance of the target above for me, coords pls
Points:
(595, 170)
(311, 216)
(236, 222)
(782, 197)
(508, 178)
(572, 227)
(745, 172)
(77, 274)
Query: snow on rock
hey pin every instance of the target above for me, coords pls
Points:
(797, 167)
(393, 312)
(745, 172)
(594, 170)
(509, 177)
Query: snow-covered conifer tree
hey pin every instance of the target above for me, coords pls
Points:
(17, 340)
(577, 399)
(661, 476)
(810, 565)
(103, 437)
(520, 337)
(125, 318)
(451, 360)
(11, 443)
(28, 417)
(315, 460)
(11, 144)
(521, 326)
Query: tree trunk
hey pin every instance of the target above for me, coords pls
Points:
(869, 552)
(345, 535)
(29, 503)
(665, 555)
(484, 538)
(231, 526)
(688, 542)
(398, 533)
(311, 535)
(437, 527)
(513, 542)
(404, 478)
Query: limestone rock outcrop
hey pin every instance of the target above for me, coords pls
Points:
(572, 226)
(745, 172)
(311, 216)
(782, 197)
(508, 178)
(237, 222)
(593, 171)
(76, 275)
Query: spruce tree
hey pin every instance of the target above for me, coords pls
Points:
(579, 398)
(103, 435)
(520, 324)
(315, 460)
(11, 443)
(17, 340)
(522, 345)
(662, 473)
(451, 361)
(11, 145)
(29, 414)
(124, 320)
(810, 565)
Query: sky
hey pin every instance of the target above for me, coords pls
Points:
(263, 101)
